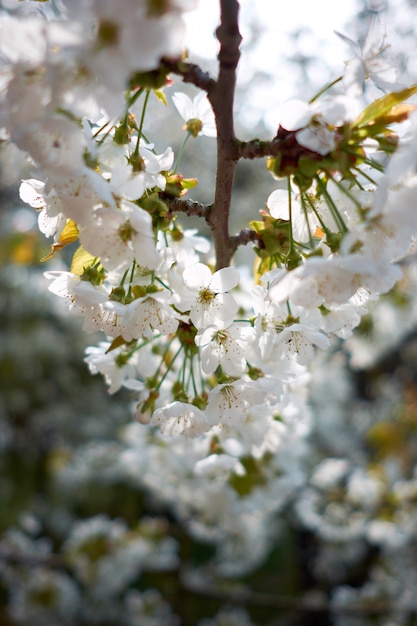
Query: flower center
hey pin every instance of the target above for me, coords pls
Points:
(126, 231)
(194, 126)
(108, 33)
(206, 296)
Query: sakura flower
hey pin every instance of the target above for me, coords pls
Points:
(125, 235)
(154, 164)
(56, 144)
(299, 340)
(51, 219)
(80, 295)
(317, 137)
(182, 248)
(125, 184)
(180, 418)
(229, 403)
(209, 301)
(294, 114)
(224, 347)
(144, 315)
(116, 366)
(278, 204)
(370, 61)
(78, 195)
(111, 318)
(331, 280)
(197, 113)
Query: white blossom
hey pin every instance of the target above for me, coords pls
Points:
(197, 114)
(209, 300)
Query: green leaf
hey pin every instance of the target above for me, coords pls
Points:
(189, 183)
(161, 96)
(383, 105)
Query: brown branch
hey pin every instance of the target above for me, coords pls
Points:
(49, 561)
(242, 238)
(306, 604)
(221, 98)
(190, 73)
(190, 207)
(285, 144)
(242, 597)
(257, 149)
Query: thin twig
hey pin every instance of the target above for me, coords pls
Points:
(306, 604)
(190, 207)
(244, 237)
(190, 73)
(49, 561)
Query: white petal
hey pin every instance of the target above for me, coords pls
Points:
(197, 276)
(225, 279)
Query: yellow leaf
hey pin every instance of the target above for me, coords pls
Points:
(116, 343)
(383, 105)
(81, 261)
(69, 235)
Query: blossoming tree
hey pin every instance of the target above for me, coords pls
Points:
(214, 351)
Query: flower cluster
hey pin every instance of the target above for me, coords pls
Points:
(206, 347)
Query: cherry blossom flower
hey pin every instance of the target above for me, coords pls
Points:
(370, 61)
(125, 235)
(209, 301)
(197, 113)
(51, 219)
(299, 340)
(278, 205)
(115, 366)
(81, 296)
(224, 347)
(331, 280)
(229, 403)
(182, 248)
(180, 418)
(150, 313)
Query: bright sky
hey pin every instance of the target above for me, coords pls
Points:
(268, 28)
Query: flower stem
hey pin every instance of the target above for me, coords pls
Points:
(142, 120)
(180, 152)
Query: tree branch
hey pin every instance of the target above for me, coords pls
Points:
(242, 238)
(222, 98)
(317, 605)
(190, 73)
(242, 597)
(285, 144)
(190, 207)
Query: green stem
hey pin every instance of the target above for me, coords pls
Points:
(169, 367)
(345, 191)
(310, 235)
(369, 178)
(180, 152)
(330, 203)
(325, 88)
(135, 97)
(142, 120)
(292, 247)
(192, 378)
(326, 230)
